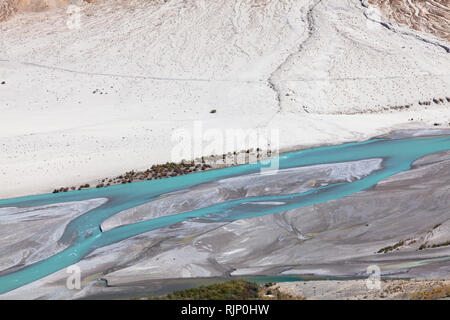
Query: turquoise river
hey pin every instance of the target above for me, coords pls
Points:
(83, 234)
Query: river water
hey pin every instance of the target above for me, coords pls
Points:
(85, 235)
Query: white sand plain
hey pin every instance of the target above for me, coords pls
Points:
(82, 104)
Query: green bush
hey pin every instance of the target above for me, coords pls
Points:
(230, 290)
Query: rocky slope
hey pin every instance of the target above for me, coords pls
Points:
(9, 7)
(427, 16)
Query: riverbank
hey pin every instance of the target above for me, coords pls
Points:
(229, 290)
(244, 229)
(306, 289)
(390, 289)
(171, 169)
